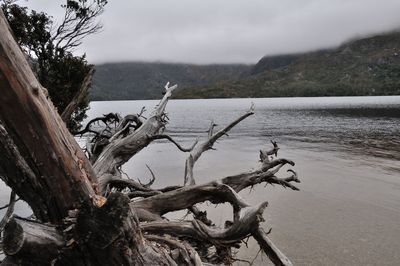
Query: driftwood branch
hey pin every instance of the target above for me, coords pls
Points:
(153, 178)
(186, 197)
(182, 252)
(270, 249)
(208, 144)
(265, 153)
(250, 218)
(128, 183)
(9, 212)
(120, 150)
(249, 179)
(155, 137)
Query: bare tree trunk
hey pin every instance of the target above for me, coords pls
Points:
(56, 175)
(45, 166)
(86, 212)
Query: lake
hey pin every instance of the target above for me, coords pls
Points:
(347, 154)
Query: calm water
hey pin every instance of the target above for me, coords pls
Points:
(347, 154)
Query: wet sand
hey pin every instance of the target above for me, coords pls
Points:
(347, 212)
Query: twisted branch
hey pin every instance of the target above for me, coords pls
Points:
(208, 144)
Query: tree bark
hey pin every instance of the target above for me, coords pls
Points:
(32, 241)
(59, 173)
(37, 145)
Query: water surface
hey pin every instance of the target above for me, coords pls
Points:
(347, 154)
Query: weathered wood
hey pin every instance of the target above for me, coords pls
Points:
(54, 168)
(38, 146)
(16, 173)
(42, 163)
(264, 175)
(270, 249)
(200, 148)
(121, 149)
(32, 241)
(186, 197)
(238, 230)
(9, 212)
(62, 175)
(10, 261)
(112, 236)
(182, 252)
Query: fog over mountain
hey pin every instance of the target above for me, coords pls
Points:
(227, 31)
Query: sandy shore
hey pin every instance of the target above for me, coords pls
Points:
(347, 212)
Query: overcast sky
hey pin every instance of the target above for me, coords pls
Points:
(227, 31)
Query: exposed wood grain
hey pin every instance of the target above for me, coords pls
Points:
(32, 241)
(270, 249)
(62, 174)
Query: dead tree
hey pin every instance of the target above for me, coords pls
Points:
(86, 212)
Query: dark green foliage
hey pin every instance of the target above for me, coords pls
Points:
(31, 30)
(273, 62)
(50, 50)
(130, 81)
(369, 66)
(64, 76)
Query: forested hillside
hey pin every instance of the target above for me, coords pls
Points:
(135, 80)
(369, 66)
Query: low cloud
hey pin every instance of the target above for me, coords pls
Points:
(228, 31)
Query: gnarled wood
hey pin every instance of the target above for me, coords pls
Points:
(249, 179)
(270, 249)
(186, 197)
(42, 163)
(9, 212)
(121, 149)
(55, 169)
(249, 219)
(198, 149)
(33, 242)
(62, 173)
(112, 235)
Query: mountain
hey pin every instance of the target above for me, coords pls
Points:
(368, 66)
(136, 80)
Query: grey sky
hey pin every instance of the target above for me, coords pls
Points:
(227, 31)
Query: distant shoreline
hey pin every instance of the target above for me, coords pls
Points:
(155, 99)
(369, 66)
